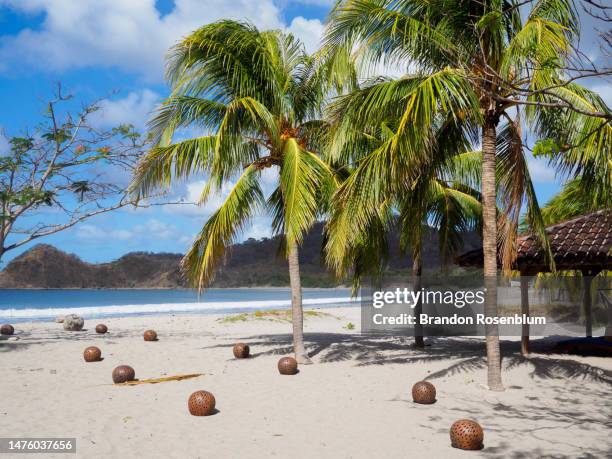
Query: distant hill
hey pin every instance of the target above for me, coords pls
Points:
(44, 266)
(251, 263)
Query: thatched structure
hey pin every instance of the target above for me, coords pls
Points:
(581, 244)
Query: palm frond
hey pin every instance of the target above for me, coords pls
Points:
(222, 228)
(515, 187)
(572, 201)
(541, 42)
(222, 61)
(184, 111)
(583, 143)
(453, 213)
(389, 31)
(160, 166)
(245, 119)
(359, 199)
(305, 182)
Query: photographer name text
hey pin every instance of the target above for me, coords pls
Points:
(455, 319)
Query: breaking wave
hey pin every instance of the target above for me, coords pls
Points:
(136, 309)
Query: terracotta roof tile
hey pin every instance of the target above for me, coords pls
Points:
(582, 241)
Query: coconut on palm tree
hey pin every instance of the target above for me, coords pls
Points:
(255, 97)
(494, 65)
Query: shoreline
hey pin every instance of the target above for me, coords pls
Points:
(44, 315)
(47, 304)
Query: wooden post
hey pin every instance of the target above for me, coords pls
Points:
(608, 303)
(586, 304)
(525, 310)
(587, 300)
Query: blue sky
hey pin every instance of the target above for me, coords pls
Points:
(101, 47)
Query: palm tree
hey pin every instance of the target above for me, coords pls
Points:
(485, 63)
(257, 97)
(442, 197)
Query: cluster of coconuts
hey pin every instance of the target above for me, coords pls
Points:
(202, 403)
(286, 365)
(122, 373)
(464, 433)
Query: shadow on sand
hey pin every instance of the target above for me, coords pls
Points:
(23, 340)
(465, 355)
(535, 416)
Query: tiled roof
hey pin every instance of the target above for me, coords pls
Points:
(584, 242)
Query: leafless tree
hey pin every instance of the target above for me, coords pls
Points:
(63, 172)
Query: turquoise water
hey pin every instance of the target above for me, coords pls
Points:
(23, 305)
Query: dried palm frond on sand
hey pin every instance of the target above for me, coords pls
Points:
(159, 380)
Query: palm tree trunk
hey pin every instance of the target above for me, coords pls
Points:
(297, 313)
(489, 244)
(417, 271)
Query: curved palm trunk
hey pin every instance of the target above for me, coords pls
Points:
(296, 305)
(417, 271)
(489, 244)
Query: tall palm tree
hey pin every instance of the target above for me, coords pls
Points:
(443, 197)
(256, 96)
(486, 62)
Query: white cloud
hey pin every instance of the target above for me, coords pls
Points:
(310, 31)
(151, 230)
(386, 70)
(191, 192)
(314, 2)
(129, 34)
(194, 191)
(186, 241)
(89, 232)
(156, 229)
(540, 171)
(269, 179)
(189, 195)
(260, 227)
(134, 108)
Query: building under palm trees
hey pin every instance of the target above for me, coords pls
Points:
(582, 244)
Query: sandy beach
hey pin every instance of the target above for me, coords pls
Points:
(353, 402)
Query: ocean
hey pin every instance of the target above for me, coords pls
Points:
(29, 305)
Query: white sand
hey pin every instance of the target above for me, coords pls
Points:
(353, 402)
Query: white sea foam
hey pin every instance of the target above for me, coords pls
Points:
(129, 309)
